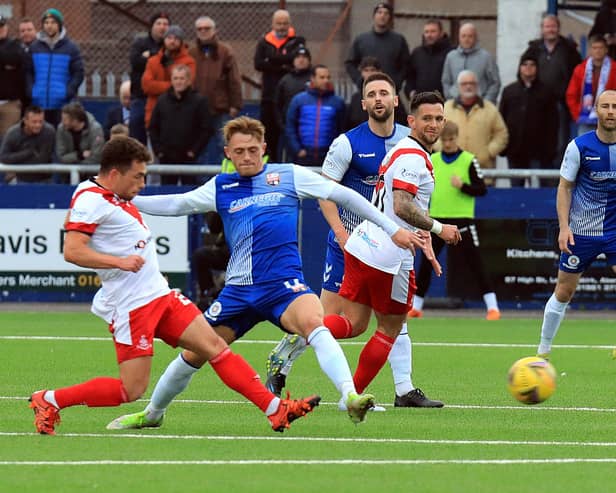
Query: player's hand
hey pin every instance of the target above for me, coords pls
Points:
(409, 239)
(450, 234)
(565, 238)
(428, 252)
(456, 181)
(342, 237)
(302, 153)
(132, 263)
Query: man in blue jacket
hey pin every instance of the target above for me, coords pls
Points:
(314, 118)
(55, 67)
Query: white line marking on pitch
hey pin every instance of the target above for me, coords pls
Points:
(325, 403)
(319, 462)
(146, 435)
(345, 343)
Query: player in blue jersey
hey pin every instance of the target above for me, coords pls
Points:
(586, 208)
(259, 207)
(353, 160)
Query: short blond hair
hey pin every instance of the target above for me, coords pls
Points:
(244, 125)
(449, 130)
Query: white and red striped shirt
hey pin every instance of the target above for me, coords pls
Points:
(407, 166)
(116, 228)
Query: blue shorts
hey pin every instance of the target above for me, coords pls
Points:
(334, 265)
(585, 252)
(242, 307)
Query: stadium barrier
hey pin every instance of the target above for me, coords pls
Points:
(517, 227)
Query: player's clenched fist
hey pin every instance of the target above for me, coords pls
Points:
(450, 234)
(132, 263)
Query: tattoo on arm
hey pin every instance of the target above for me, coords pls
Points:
(405, 209)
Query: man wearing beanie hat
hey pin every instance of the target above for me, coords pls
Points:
(529, 109)
(55, 67)
(156, 78)
(292, 83)
(141, 50)
(383, 43)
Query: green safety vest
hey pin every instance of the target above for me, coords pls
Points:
(447, 200)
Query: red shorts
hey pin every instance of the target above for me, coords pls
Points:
(165, 318)
(390, 294)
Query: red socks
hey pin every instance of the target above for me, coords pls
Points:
(339, 326)
(371, 360)
(238, 375)
(98, 392)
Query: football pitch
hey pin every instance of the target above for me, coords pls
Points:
(212, 440)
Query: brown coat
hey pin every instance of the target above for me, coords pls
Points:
(218, 76)
(157, 77)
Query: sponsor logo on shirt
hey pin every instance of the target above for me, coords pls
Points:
(262, 200)
(140, 245)
(231, 185)
(370, 180)
(361, 154)
(592, 158)
(363, 235)
(272, 179)
(602, 175)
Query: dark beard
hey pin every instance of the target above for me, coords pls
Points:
(380, 118)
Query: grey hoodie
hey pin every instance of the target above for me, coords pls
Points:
(478, 60)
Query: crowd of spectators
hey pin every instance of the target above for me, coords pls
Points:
(528, 121)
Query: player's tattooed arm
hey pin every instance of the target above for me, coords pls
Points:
(406, 209)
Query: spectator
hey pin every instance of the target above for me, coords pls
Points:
(119, 130)
(55, 67)
(141, 50)
(590, 78)
(529, 109)
(27, 33)
(426, 62)
(355, 113)
(314, 119)
(218, 79)
(605, 25)
(383, 43)
(29, 142)
(557, 57)
(180, 126)
(291, 84)
(469, 56)
(120, 113)
(482, 129)
(156, 79)
(12, 78)
(274, 58)
(457, 181)
(79, 138)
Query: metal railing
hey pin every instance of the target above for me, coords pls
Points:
(212, 169)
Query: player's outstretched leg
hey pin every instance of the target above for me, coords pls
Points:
(46, 415)
(290, 410)
(281, 359)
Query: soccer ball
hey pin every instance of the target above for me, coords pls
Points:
(531, 380)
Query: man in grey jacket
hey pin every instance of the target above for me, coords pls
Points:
(79, 138)
(469, 56)
(29, 142)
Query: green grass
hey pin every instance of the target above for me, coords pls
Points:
(214, 441)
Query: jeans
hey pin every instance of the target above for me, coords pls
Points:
(136, 125)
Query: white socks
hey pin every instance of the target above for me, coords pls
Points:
(418, 303)
(174, 380)
(400, 359)
(490, 300)
(332, 360)
(552, 317)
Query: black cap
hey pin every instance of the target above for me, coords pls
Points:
(383, 5)
(303, 51)
(529, 54)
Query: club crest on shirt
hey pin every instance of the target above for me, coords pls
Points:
(272, 179)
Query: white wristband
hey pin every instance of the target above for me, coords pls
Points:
(437, 227)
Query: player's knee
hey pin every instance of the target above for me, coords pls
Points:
(134, 390)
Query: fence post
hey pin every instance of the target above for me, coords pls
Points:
(96, 83)
(110, 79)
